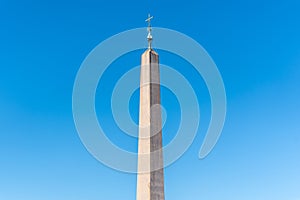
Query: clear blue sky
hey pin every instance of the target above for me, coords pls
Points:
(256, 46)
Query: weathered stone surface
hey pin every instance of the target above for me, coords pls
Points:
(150, 183)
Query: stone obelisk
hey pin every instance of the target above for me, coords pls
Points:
(150, 178)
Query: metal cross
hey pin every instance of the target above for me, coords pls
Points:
(149, 37)
(149, 20)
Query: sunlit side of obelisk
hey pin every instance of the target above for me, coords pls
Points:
(150, 178)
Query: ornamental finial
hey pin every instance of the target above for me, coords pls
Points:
(149, 37)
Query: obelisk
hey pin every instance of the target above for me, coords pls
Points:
(150, 178)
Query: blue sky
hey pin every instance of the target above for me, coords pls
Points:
(255, 45)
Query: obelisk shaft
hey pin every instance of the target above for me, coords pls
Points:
(150, 180)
